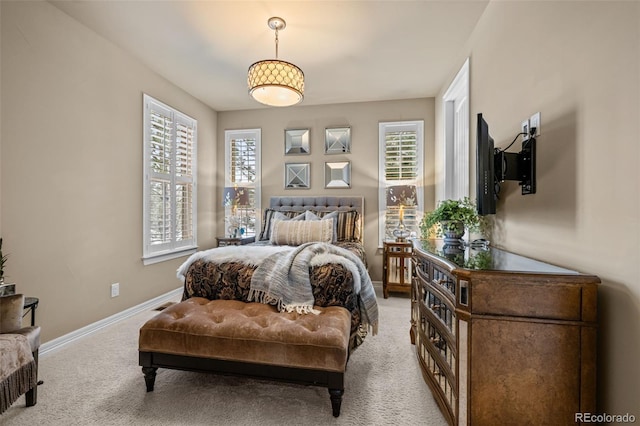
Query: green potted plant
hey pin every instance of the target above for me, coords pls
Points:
(450, 219)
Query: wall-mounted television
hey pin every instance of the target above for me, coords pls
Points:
(485, 169)
(494, 166)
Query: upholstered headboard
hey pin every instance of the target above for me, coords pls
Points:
(321, 203)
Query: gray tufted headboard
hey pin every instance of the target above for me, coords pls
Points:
(320, 203)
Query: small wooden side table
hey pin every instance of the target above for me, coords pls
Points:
(396, 261)
(234, 241)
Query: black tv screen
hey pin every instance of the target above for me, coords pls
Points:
(485, 175)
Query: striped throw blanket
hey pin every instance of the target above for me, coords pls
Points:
(282, 279)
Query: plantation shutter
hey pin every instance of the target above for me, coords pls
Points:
(401, 157)
(243, 160)
(185, 134)
(169, 207)
(160, 153)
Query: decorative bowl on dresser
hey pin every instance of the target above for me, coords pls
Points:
(501, 338)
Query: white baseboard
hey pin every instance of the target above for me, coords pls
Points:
(61, 341)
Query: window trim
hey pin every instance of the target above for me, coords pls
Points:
(383, 129)
(172, 249)
(455, 157)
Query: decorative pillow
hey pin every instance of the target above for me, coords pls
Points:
(270, 214)
(310, 215)
(347, 224)
(11, 313)
(294, 233)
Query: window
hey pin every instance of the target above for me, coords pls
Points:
(242, 169)
(169, 182)
(400, 163)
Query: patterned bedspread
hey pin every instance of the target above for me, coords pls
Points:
(332, 285)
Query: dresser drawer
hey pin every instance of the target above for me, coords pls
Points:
(514, 297)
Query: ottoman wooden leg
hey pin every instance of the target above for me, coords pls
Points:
(31, 397)
(336, 400)
(149, 377)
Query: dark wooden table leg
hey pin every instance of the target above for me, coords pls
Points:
(336, 400)
(149, 377)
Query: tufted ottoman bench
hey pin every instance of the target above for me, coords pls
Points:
(249, 339)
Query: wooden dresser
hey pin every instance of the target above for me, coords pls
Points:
(501, 338)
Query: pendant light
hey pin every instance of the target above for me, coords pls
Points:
(274, 82)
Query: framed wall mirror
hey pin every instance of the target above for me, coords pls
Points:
(297, 176)
(337, 140)
(296, 141)
(337, 174)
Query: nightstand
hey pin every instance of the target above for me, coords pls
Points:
(396, 263)
(233, 241)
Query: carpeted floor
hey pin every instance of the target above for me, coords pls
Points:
(97, 381)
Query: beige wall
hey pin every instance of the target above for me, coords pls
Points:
(582, 72)
(72, 168)
(363, 119)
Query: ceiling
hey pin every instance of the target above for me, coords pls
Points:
(349, 51)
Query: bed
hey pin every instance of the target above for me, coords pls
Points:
(290, 307)
(335, 277)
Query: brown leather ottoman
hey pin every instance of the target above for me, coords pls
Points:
(250, 339)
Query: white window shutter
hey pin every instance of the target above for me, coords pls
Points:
(169, 182)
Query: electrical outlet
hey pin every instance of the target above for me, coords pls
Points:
(115, 289)
(534, 121)
(524, 128)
